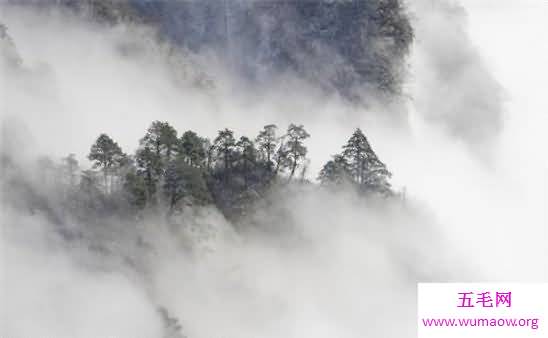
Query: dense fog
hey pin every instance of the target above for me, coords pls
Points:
(462, 136)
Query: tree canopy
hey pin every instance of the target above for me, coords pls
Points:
(169, 172)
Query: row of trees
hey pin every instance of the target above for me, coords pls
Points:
(167, 168)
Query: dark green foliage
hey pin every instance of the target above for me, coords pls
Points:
(157, 148)
(335, 172)
(136, 189)
(209, 153)
(247, 157)
(105, 152)
(193, 149)
(245, 170)
(377, 176)
(225, 145)
(169, 169)
(166, 173)
(267, 143)
(294, 151)
(149, 166)
(161, 138)
(183, 180)
(174, 182)
(358, 164)
(355, 152)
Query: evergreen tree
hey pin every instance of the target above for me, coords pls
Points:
(150, 167)
(192, 149)
(161, 138)
(174, 185)
(247, 156)
(335, 172)
(107, 155)
(377, 175)
(355, 153)
(295, 151)
(135, 187)
(225, 144)
(364, 166)
(267, 143)
(184, 181)
(157, 149)
(280, 158)
(209, 152)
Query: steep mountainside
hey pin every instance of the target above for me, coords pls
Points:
(345, 45)
(353, 47)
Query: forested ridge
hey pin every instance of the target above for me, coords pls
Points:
(118, 210)
(352, 48)
(169, 171)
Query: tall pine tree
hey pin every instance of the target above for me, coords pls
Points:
(266, 144)
(363, 165)
(107, 155)
(295, 150)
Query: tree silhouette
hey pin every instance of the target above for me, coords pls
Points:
(107, 155)
(295, 151)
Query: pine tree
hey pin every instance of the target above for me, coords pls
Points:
(174, 185)
(367, 171)
(266, 144)
(192, 149)
(157, 149)
(150, 167)
(224, 144)
(377, 175)
(106, 154)
(161, 137)
(335, 172)
(209, 153)
(295, 151)
(355, 153)
(247, 152)
(136, 189)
